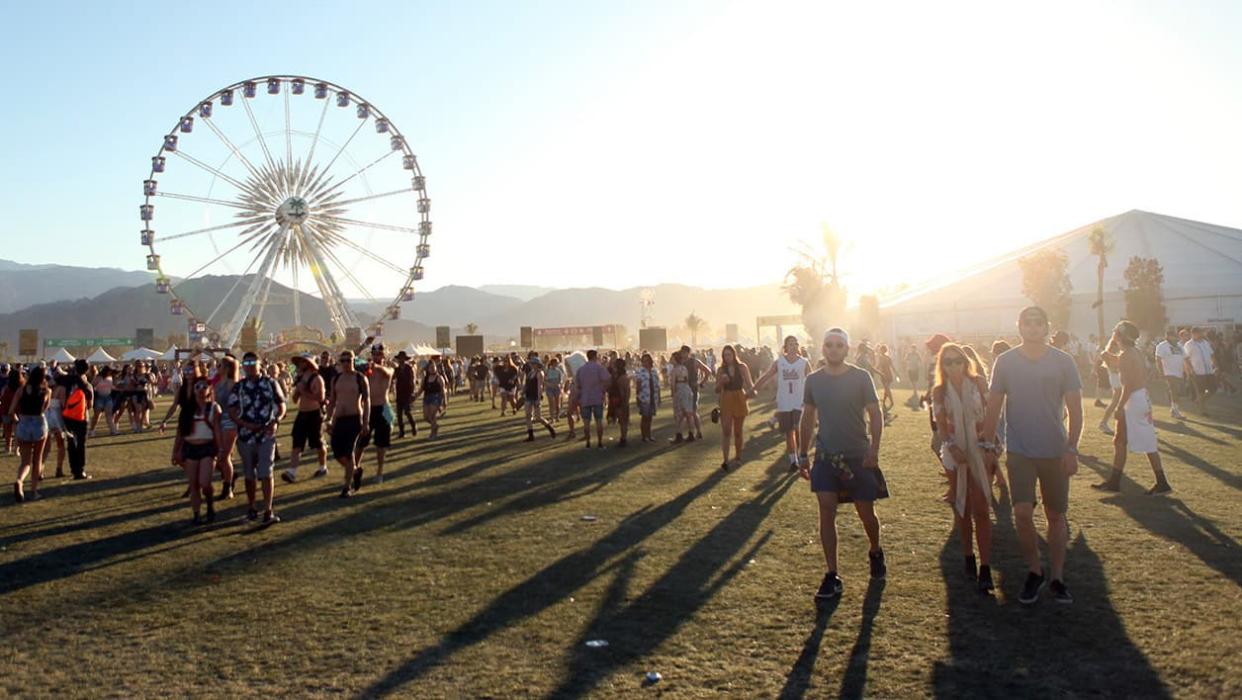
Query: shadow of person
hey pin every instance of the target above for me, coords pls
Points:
(855, 680)
(1003, 649)
(1173, 520)
(798, 681)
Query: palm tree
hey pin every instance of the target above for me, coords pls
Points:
(814, 283)
(694, 324)
(472, 328)
(1100, 244)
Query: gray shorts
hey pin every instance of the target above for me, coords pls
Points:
(257, 458)
(1053, 483)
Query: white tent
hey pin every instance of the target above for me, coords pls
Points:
(99, 357)
(62, 356)
(170, 354)
(1202, 267)
(142, 354)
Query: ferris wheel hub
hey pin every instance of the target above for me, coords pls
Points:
(292, 212)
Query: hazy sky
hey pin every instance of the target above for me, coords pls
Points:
(625, 143)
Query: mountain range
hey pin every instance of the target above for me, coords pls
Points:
(120, 310)
(22, 285)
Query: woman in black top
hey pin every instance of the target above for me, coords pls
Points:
(28, 408)
(432, 388)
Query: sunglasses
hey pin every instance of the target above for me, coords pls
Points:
(346, 360)
(249, 363)
(950, 361)
(199, 386)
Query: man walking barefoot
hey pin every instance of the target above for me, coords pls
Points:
(1036, 384)
(349, 400)
(308, 394)
(841, 399)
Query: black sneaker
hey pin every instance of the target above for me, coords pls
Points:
(972, 571)
(724, 466)
(830, 587)
(211, 512)
(346, 493)
(1160, 489)
(252, 515)
(1060, 593)
(878, 569)
(676, 439)
(358, 478)
(1032, 588)
(270, 518)
(985, 580)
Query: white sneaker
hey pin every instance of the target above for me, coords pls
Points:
(1105, 429)
(1178, 415)
(323, 471)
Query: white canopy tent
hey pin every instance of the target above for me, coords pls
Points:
(62, 356)
(142, 354)
(99, 357)
(169, 355)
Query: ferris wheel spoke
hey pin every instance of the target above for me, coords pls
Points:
(288, 131)
(252, 292)
(310, 157)
(211, 262)
(342, 317)
(370, 224)
(267, 154)
(204, 200)
(297, 306)
(196, 232)
(232, 181)
(236, 284)
(328, 168)
(382, 261)
(368, 197)
(349, 275)
(241, 157)
(341, 183)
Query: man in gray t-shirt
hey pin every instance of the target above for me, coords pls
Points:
(1037, 385)
(836, 398)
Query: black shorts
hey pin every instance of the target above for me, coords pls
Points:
(345, 431)
(381, 431)
(196, 453)
(404, 403)
(789, 420)
(307, 429)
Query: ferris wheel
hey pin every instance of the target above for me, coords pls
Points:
(292, 183)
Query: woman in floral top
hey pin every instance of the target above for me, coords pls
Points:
(647, 382)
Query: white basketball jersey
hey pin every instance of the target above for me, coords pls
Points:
(791, 384)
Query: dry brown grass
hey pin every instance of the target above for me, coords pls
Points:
(470, 573)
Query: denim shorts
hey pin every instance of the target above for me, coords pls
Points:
(103, 403)
(31, 428)
(589, 411)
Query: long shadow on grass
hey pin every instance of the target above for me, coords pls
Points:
(1008, 650)
(855, 681)
(545, 588)
(1173, 520)
(1228, 478)
(702, 570)
(799, 679)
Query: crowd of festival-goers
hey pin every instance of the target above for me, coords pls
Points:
(985, 400)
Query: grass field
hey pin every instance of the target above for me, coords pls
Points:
(471, 572)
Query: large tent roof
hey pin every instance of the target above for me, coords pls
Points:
(1199, 259)
(141, 354)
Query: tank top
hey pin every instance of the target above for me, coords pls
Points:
(733, 378)
(532, 387)
(552, 378)
(202, 427)
(791, 383)
(103, 388)
(30, 403)
(431, 385)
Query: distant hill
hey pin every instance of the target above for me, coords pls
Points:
(673, 303)
(523, 292)
(447, 306)
(22, 285)
(119, 311)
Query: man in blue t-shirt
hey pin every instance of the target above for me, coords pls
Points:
(1037, 385)
(840, 400)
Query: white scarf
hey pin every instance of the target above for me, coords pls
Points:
(966, 415)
